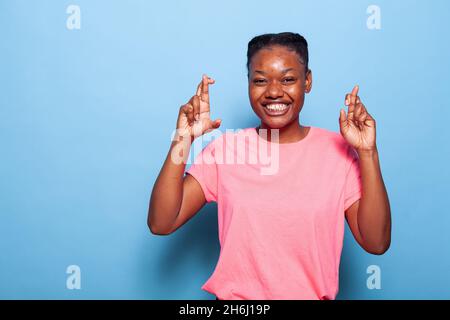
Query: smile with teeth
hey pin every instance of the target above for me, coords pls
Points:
(277, 107)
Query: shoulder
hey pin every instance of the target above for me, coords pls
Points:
(217, 140)
(327, 135)
(229, 136)
(333, 142)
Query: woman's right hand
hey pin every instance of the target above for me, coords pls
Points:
(194, 117)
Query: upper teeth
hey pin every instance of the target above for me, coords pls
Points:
(278, 107)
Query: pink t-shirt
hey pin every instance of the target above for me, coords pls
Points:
(280, 230)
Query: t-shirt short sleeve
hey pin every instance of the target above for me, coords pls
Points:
(353, 184)
(204, 170)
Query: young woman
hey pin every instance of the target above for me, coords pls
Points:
(281, 234)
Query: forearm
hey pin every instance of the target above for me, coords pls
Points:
(374, 214)
(167, 192)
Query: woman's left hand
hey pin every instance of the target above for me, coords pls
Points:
(357, 126)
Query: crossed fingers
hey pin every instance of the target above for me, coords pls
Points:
(357, 112)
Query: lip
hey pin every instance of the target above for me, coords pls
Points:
(275, 113)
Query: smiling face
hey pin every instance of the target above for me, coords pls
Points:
(277, 86)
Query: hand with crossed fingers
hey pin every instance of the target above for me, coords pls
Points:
(357, 126)
(194, 117)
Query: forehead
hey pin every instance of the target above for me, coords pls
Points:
(276, 58)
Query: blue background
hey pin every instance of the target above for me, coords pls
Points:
(86, 117)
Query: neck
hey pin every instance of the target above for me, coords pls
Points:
(293, 132)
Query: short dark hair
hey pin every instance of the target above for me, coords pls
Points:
(290, 40)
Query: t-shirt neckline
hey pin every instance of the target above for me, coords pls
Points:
(288, 144)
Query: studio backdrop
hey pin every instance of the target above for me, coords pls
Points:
(89, 96)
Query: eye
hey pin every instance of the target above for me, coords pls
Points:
(259, 81)
(289, 80)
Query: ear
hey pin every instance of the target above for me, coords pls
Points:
(308, 81)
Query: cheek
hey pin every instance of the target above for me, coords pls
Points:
(255, 93)
(296, 93)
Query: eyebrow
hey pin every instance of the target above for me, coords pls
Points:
(283, 71)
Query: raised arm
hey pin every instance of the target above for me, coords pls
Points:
(176, 198)
(369, 218)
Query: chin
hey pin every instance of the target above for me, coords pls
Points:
(276, 123)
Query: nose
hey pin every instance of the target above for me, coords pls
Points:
(274, 90)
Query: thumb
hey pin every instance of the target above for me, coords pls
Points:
(342, 117)
(216, 123)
